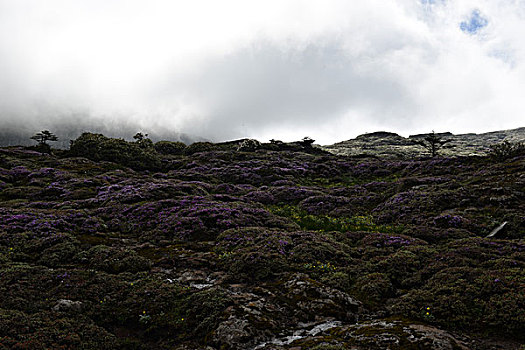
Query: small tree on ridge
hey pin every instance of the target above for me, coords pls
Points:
(44, 136)
(432, 142)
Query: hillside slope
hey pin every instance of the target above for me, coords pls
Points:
(261, 250)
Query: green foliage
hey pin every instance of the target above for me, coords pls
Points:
(248, 265)
(143, 141)
(44, 136)
(307, 142)
(339, 280)
(204, 310)
(466, 297)
(327, 223)
(114, 260)
(506, 150)
(192, 258)
(98, 147)
(432, 143)
(319, 266)
(169, 147)
(199, 147)
(374, 287)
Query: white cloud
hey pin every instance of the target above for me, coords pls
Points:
(327, 69)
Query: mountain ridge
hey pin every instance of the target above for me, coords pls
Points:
(391, 145)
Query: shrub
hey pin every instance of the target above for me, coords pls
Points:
(374, 287)
(98, 147)
(114, 260)
(198, 147)
(506, 150)
(248, 265)
(327, 223)
(249, 145)
(307, 142)
(169, 147)
(143, 141)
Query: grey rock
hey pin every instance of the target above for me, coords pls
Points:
(315, 298)
(238, 333)
(68, 305)
(382, 334)
(389, 145)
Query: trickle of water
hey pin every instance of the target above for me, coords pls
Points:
(200, 285)
(306, 329)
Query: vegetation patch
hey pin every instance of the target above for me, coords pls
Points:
(135, 245)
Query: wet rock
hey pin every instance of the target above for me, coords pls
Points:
(317, 300)
(383, 334)
(239, 333)
(375, 334)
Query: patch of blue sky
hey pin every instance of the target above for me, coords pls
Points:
(475, 22)
(431, 3)
(505, 56)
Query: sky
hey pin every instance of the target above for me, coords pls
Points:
(271, 69)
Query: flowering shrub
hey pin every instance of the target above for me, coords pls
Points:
(448, 220)
(222, 248)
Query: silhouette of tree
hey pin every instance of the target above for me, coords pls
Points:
(44, 136)
(307, 142)
(432, 142)
(143, 141)
(140, 136)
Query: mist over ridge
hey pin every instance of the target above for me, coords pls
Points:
(264, 70)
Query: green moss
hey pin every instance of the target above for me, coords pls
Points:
(94, 239)
(325, 223)
(373, 288)
(114, 260)
(169, 147)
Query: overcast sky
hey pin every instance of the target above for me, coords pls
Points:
(267, 69)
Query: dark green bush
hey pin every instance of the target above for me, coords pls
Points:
(114, 260)
(98, 147)
(250, 265)
(506, 150)
(41, 147)
(470, 298)
(199, 147)
(374, 287)
(169, 147)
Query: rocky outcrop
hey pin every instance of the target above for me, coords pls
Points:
(390, 145)
(376, 334)
(68, 305)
